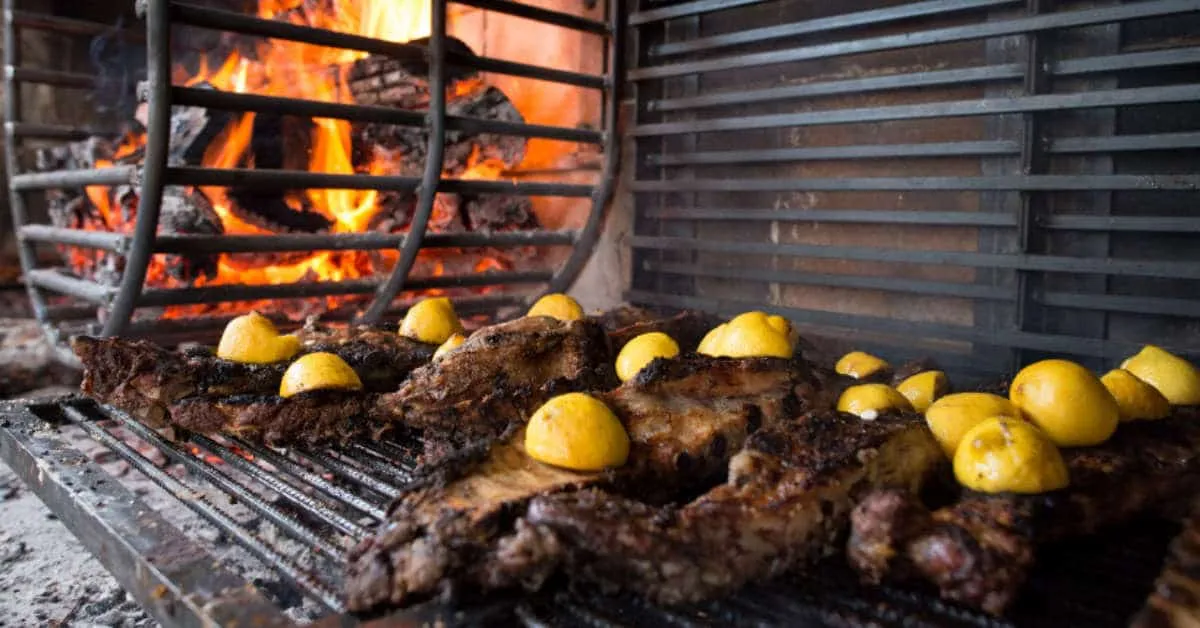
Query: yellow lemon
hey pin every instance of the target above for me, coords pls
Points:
(1006, 455)
(453, 342)
(952, 416)
(924, 388)
(557, 305)
(1067, 401)
(576, 431)
(1176, 378)
(637, 353)
(431, 321)
(1135, 399)
(318, 371)
(780, 324)
(749, 340)
(859, 365)
(868, 401)
(709, 343)
(253, 339)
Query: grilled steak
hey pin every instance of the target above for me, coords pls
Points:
(144, 379)
(626, 323)
(500, 375)
(684, 417)
(1175, 600)
(787, 498)
(978, 551)
(311, 417)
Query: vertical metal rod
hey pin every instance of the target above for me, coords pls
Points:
(1033, 161)
(158, 128)
(431, 178)
(16, 200)
(614, 78)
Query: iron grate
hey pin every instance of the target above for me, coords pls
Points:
(326, 500)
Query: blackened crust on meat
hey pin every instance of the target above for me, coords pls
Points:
(460, 522)
(309, 418)
(912, 367)
(979, 550)
(1175, 600)
(785, 503)
(499, 376)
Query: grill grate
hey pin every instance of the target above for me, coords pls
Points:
(326, 500)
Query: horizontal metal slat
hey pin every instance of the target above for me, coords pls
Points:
(1066, 19)
(229, 101)
(848, 216)
(870, 151)
(1045, 263)
(959, 77)
(824, 25)
(833, 280)
(50, 77)
(685, 9)
(1091, 347)
(1047, 183)
(238, 23)
(525, 188)
(67, 26)
(65, 284)
(287, 242)
(958, 108)
(103, 240)
(117, 175)
(538, 14)
(159, 297)
(1122, 303)
(1161, 224)
(34, 130)
(1102, 144)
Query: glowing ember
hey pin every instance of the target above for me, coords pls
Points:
(295, 70)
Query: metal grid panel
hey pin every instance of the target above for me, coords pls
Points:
(988, 181)
(160, 17)
(327, 499)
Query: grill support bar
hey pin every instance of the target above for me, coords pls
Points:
(173, 578)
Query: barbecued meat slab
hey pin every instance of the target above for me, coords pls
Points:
(786, 500)
(978, 551)
(310, 417)
(498, 377)
(144, 378)
(685, 417)
(625, 323)
(1175, 600)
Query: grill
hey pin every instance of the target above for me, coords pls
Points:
(323, 500)
(112, 308)
(986, 182)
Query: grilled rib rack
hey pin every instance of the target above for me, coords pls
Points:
(322, 501)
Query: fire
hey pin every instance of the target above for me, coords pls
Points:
(295, 70)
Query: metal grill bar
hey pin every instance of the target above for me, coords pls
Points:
(49, 131)
(117, 175)
(1045, 263)
(539, 14)
(686, 9)
(113, 242)
(985, 107)
(1048, 182)
(159, 297)
(67, 26)
(51, 77)
(850, 216)
(201, 506)
(65, 284)
(282, 243)
(1052, 21)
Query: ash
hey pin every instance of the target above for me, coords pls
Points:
(36, 550)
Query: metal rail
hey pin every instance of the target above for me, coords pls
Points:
(119, 304)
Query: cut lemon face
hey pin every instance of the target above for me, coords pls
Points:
(431, 321)
(557, 305)
(1136, 400)
(253, 339)
(576, 431)
(1176, 378)
(924, 388)
(318, 371)
(1005, 455)
(640, 351)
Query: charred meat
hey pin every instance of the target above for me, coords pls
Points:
(787, 498)
(308, 418)
(460, 524)
(499, 376)
(979, 550)
(687, 328)
(1175, 600)
(145, 379)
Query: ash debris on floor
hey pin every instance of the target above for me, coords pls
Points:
(46, 577)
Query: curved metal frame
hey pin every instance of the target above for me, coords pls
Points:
(155, 174)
